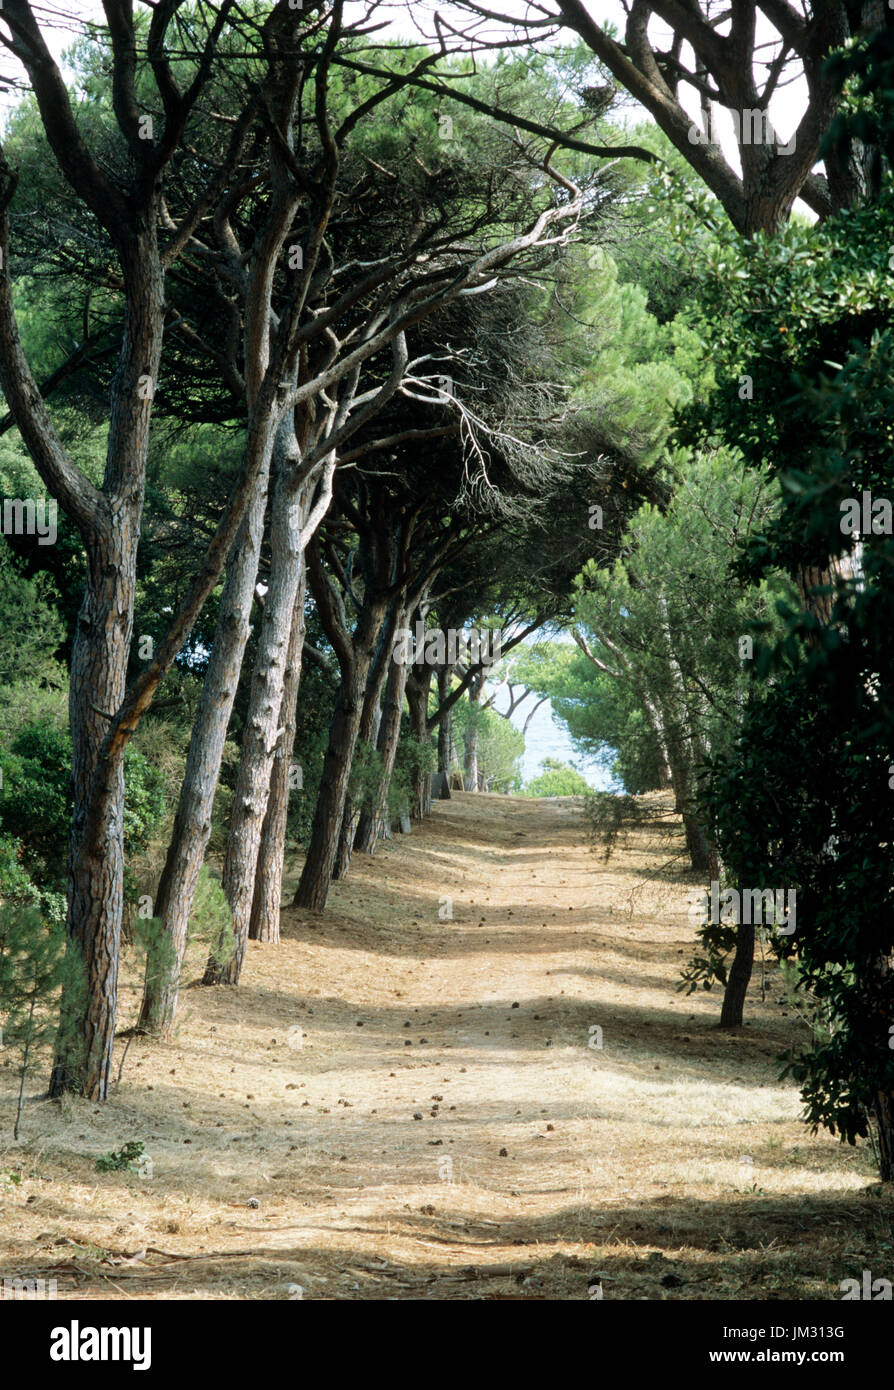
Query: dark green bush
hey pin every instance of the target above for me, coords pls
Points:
(36, 802)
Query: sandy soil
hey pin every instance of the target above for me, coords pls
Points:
(399, 1103)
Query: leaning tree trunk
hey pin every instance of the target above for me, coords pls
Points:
(351, 815)
(264, 924)
(192, 825)
(370, 719)
(262, 726)
(316, 876)
(702, 853)
(739, 977)
(373, 822)
(83, 1053)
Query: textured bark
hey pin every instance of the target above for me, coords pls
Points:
(417, 689)
(763, 197)
(192, 824)
(374, 822)
(100, 651)
(263, 730)
(470, 762)
(884, 1118)
(370, 719)
(96, 880)
(702, 853)
(445, 732)
(739, 977)
(355, 661)
(877, 993)
(820, 604)
(264, 924)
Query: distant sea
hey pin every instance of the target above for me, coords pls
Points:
(547, 738)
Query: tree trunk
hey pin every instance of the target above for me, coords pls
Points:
(702, 854)
(192, 825)
(83, 1056)
(417, 688)
(445, 731)
(264, 924)
(83, 1053)
(884, 1117)
(370, 719)
(470, 764)
(739, 977)
(316, 876)
(374, 823)
(263, 730)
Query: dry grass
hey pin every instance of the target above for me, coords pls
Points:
(672, 1154)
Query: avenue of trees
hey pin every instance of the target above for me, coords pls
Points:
(318, 337)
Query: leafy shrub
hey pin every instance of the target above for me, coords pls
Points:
(210, 920)
(557, 779)
(36, 803)
(35, 967)
(120, 1160)
(414, 758)
(366, 777)
(144, 800)
(15, 882)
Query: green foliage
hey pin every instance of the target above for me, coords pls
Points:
(210, 924)
(36, 964)
(802, 799)
(122, 1160)
(656, 677)
(608, 815)
(36, 800)
(31, 631)
(415, 758)
(316, 703)
(556, 779)
(15, 881)
(144, 800)
(210, 919)
(601, 713)
(708, 964)
(630, 384)
(149, 936)
(366, 776)
(501, 745)
(820, 821)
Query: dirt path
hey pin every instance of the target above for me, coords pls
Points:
(402, 1103)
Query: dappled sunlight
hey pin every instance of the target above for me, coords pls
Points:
(415, 1102)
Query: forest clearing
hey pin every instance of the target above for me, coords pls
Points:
(671, 1161)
